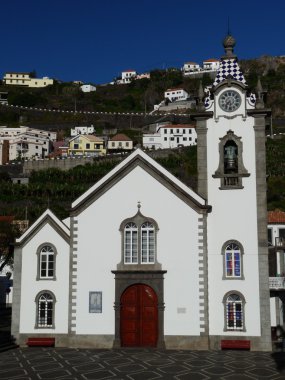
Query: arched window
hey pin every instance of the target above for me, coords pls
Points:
(131, 243)
(234, 310)
(45, 302)
(147, 243)
(139, 236)
(233, 264)
(46, 262)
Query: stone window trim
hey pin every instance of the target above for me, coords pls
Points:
(243, 302)
(38, 253)
(37, 299)
(139, 219)
(227, 179)
(223, 252)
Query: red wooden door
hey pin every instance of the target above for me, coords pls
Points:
(139, 317)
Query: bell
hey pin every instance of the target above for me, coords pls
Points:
(230, 158)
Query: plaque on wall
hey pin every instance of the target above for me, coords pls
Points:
(95, 302)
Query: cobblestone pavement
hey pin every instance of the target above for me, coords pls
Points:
(139, 364)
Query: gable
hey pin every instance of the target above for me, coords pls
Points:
(140, 159)
(46, 218)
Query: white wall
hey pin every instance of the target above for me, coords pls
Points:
(30, 287)
(234, 216)
(99, 252)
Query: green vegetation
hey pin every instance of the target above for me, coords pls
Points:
(275, 157)
(57, 189)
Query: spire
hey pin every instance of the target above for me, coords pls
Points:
(229, 44)
(259, 91)
(229, 67)
(200, 105)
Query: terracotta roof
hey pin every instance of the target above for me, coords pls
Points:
(190, 63)
(6, 218)
(129, 71)
(94, 138)
(211, 60)
(173, 126)
(276, 216)
(120, 137)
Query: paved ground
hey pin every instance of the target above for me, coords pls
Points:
(139, 364)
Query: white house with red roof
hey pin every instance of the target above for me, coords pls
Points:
(120, 142)
(211, 64)
(170, 136)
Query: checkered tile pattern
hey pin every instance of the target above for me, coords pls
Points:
(229, 67)
(140, 364)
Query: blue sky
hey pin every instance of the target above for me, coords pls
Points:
(94, 40)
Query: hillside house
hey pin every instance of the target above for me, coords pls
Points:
(211, 64)
(175, 94)
(128, 76)
(25, 79)
(120, 142)
(86, 145)
(24, 143)
(190, 67)
(170, 136)
(84, 130)
(87, 88)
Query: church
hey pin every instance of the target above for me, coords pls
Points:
(145, 261)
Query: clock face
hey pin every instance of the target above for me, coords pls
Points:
(229, 100)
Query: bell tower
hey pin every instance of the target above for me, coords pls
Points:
(232, 177)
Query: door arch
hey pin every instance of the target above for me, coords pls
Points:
(139, 317)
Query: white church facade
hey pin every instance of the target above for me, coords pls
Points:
(143, 260)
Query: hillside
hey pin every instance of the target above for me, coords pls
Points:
(138, 96)
(57, 189)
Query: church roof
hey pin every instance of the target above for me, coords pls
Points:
(47, 217)
(276, 216)
(229, 67)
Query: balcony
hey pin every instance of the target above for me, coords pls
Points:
(276, 283)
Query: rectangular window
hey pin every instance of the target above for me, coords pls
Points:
(127, 144)
(165, 138)
(177, 130)
(87, 146)
(190, 131)
(75, 146)
(184, 138)
(113, 144)
(184, 131)
(233, 268)
(172, 138)
(131, 246)
(171, 130)
(269, 235)
(47, 265)
(165, 130)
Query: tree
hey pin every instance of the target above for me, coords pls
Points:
(8, 233)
